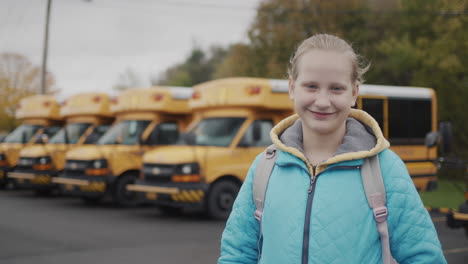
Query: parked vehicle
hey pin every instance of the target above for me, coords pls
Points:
(87, 116)
(233, 120)
(40, 117)
(145, 119)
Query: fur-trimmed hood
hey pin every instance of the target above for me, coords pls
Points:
(363, 139)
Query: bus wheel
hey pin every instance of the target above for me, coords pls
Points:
(221, 199)
(120, 195)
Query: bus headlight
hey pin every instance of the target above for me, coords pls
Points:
(98, 168)
(100, 163)
(3, 161)
(189, 172)
(43, 163)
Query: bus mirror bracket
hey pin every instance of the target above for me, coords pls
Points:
(23, 137)
(44, 139)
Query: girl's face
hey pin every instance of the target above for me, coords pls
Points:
(323, 92)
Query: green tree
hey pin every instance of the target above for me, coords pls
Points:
(198, 67)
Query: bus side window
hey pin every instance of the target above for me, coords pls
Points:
(409, 121)
(164, 134)
(257, 134)
(374, 107)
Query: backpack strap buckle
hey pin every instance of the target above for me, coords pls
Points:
(380, 214)
(258, 215)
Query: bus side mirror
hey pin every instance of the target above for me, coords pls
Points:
(431, 139)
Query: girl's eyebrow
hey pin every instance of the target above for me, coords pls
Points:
(338, 84)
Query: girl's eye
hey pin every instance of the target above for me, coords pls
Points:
(312, 86)
(337, 88)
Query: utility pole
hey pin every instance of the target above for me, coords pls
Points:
(46, 47)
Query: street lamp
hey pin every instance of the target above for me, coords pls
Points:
(46, 47)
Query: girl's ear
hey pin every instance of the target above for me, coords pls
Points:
(355, 93)
(291, 88)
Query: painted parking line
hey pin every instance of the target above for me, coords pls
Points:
(455, 250)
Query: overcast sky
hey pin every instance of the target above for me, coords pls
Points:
(92, 42)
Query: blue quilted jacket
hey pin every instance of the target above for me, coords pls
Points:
(329, 220)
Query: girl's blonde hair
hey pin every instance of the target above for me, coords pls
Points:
(329, 43)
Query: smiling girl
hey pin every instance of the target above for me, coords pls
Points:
(315, 208)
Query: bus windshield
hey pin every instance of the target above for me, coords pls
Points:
(74, 133)
(22, 134)
(217, 132)
(126, 132)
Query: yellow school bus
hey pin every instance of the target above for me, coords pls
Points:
(40, 116)
(233, 119)
(145, 119)
(406, 115)
(87, 116)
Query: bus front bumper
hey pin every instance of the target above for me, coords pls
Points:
(171, 194)
(33, 180)
(86, 186)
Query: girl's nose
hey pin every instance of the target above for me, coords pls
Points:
(322, 100)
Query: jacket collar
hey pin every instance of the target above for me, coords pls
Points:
(363, 138)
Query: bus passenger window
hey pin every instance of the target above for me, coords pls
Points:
(409, 121)
(249, 140)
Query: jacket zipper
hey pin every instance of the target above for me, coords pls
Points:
(310, 198)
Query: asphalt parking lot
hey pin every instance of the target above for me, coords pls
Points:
(49, 230)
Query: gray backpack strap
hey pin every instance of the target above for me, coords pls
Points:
(376, 197)
(262, 176)
(260, 184)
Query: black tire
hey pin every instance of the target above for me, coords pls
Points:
(221, 198)
(120, 196)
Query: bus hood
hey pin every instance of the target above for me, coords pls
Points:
(34, 151)
(175, 154)
(91, 152)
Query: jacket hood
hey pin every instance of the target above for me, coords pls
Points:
(363, 138)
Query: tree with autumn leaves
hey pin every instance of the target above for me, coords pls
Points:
(408, 43)
(18, 78)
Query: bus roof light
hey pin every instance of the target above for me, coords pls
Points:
(158, 97)
(96, 99)
(254, 90)
(196, 95)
